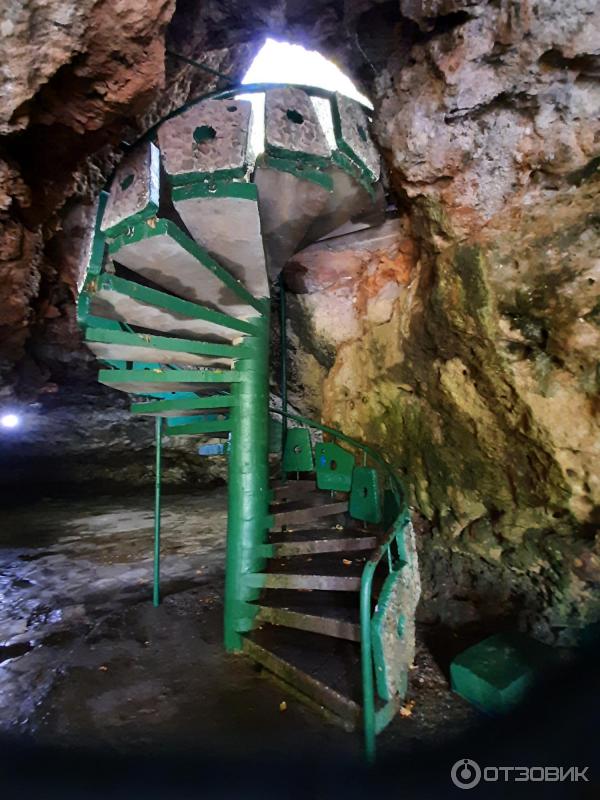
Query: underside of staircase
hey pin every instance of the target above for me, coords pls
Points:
(321, 577)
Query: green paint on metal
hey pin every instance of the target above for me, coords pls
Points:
(175, 305)
(182, 404)
(344, 146)
(298, 157)
(365, 502)
(221, 175)
(157, 512)
(200, 426)
(296, 168)
(167, 376)
(248, 498)
(219, 189)
(334, 466)
(298, 455)
(363, 177)
(164, 227)
(112, 336)
(495, 674)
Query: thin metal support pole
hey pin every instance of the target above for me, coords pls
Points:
(283, 359)
(157, 487)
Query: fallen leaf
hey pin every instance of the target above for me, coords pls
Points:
(346, 562)
(103, 668)
(405, 711)
(283, 706)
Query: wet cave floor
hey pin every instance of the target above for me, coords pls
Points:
(86, 660)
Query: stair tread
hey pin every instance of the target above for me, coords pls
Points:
(333, 662)
(300, 603)
(304, 513)
(313, 534)
(152, 309)
(299, 619)
(312, 499)
(163, 254)
(334, 565)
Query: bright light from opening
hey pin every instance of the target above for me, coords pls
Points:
(9, 421)
(281, 62)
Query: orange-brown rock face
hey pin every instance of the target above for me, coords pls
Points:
(471, 361)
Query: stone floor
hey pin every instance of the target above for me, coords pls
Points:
(85, 658)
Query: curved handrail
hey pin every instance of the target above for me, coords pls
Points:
(396, 484)
(368, 573)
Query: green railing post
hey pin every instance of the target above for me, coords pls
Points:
(157, 488)
(248, 483)
(367, 662)
(283, 357)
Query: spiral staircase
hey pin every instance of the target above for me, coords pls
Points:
(321, 574)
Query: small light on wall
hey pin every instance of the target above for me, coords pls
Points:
(10, 421)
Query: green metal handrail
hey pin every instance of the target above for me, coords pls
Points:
(384, 550)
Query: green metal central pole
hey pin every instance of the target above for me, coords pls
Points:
(283, 358)
(248, 491)
(157, 487)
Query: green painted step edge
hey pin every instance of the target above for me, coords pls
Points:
(164, 227)
(167, 376)
(361, 176)
(310, 159)
(289, 165)
(221, 189)
(121, 228)
(177, 422)
(166, 343)
(235, 173)
(183, 404)
(343, 145)
(155, 297)
(366, 507)
(221, 426)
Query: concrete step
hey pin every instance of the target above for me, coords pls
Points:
(290, 197)
(114, 298)
(149, 381)
(295, 547)
(326, 625)
(322, 694)
(224, 219)
(124, 346)
(161, 253)
(274, 580)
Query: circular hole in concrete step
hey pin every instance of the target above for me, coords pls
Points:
(333, 464)
(231, 108)
(294, 116)
(362, 132)
(204, 133)
(126, 182)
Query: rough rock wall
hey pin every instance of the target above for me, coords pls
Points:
(481, 383)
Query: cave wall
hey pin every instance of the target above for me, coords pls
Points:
(480, 380)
